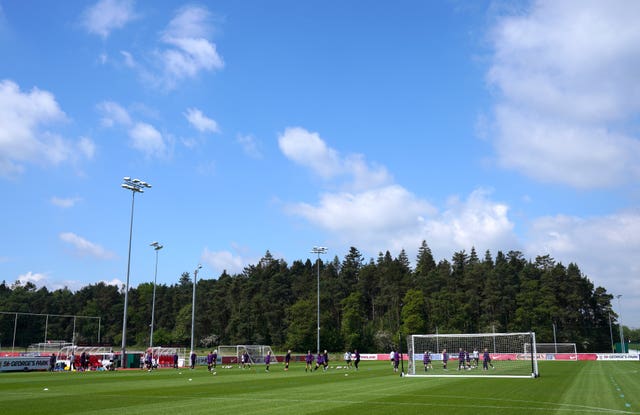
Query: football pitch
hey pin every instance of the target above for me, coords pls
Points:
(563, 388)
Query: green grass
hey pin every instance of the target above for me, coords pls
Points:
(563, 388)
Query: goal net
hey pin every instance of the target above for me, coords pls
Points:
(563, 351)
(478, 355)
(256, 352)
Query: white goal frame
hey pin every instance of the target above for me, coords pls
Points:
(512, 355)
(257, 352)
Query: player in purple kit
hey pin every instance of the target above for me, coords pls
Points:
(445, 359)
(215, 359)
(325, 360)
(319, 361)
(308, 359)
(426, 359)
(287, 359)
(267, 360)
(210, 361)
(461, 359)
(356, 361)
(486, 360)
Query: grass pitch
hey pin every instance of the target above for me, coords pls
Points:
(563, 388)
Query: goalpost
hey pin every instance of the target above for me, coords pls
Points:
(512, 355)
(256, 352)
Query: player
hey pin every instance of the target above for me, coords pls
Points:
(445, 359)
(347, 359)
(486, 360)
(426, 359)
(210, 361)
(319, 361)
(215, 359)
(325, 360)
(308, 360)
(267, 360)
(193, 359)
(287, 359)
(245, 362)
(52, 362)
(467, 359)
(356, 362)
(461, 359)
(476, 357)
(392, 358)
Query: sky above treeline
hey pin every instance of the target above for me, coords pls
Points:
(285, 125)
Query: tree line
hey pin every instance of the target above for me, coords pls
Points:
(364, 304)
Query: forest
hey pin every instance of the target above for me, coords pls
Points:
(364, 304)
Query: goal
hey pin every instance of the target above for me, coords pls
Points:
(509, 355)
(560, 351)
(256, 352)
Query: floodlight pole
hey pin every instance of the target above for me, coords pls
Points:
(193, 306)
(620, 324)
(136, 186)
(318, 250)
(156, 246)
(613, 350)
(400, 340)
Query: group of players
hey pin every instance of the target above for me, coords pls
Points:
(464, 360)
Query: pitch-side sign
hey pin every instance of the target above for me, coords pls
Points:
(618, 356)
(25, 364)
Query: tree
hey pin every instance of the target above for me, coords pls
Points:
(301, 323)
(414, 313)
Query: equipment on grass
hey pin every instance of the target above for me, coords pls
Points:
(508, 355)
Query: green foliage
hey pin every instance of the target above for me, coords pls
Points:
(364, 304)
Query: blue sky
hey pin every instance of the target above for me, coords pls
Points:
(283, 125)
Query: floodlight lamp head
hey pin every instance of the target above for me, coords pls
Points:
(126, 178)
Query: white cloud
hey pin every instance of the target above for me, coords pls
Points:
(143, 136)
(568, 102)
(107, 15)
(84, 247)
(32, 277)
(189, 52)
(605, 248)
(147, 139)
(65, 203)
(310, 150)
(114, 114)
(224, 260)
(583, 156)
(476, 222)
(22, 136)
(201, 122)
(380, 217)
(129, 61)
(249, 145)
(86, 147)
